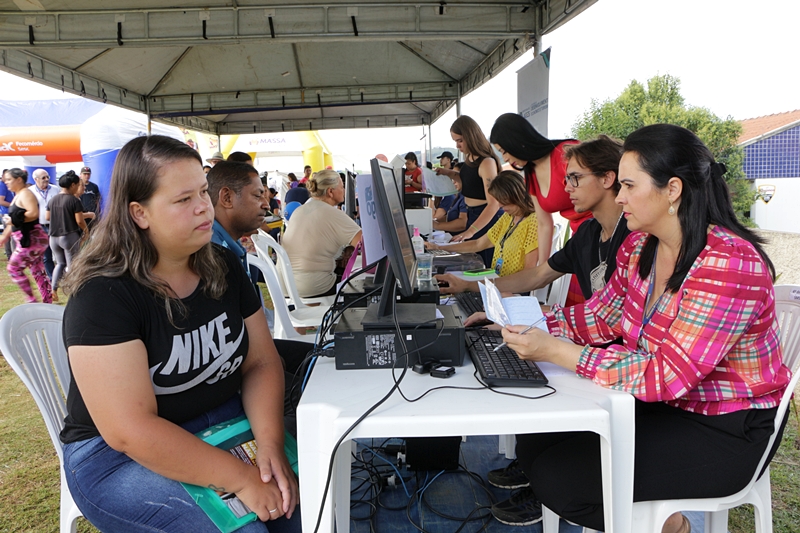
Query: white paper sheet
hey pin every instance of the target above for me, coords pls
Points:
(511, 311)
(437, 185)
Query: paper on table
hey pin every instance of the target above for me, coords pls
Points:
(514, 310)
(437, 185)
(439, 315)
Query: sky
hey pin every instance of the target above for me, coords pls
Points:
(734, 57)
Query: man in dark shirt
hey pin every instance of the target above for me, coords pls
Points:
(590, 254)
(90, 197)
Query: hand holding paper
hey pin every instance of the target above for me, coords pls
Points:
(513, 310)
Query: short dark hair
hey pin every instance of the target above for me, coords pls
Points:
(411, 156)
(239, 157)
(307, 167)
(599, 155)
(273, 191)
(230, 174)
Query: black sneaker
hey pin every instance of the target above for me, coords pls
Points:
(521, 509)
(510, 477)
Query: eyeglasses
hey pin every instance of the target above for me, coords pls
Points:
(573, 177)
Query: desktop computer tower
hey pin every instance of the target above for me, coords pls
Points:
(359, 348)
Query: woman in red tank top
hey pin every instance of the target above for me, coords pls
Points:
(545, 169)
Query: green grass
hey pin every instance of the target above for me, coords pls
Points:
(29, 478)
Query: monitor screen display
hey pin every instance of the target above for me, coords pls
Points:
(394, 229)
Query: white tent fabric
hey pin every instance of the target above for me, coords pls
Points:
(252, 66)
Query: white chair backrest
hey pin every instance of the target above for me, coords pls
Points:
(787, 310)
(283, 321)
(30, 339)
(263, 241)
(544, 294)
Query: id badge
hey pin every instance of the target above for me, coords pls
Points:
(498, 266)
(598, 277)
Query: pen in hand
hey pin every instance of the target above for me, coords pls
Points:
(523, 332)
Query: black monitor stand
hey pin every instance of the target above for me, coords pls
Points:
(380, 275)
(382, 315)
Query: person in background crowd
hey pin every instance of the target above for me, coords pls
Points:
(148, 280)
(446, 160)
(413, 174)
(317, 234)
(513, 238)
(293, 183)
(5, 200)
(22, 225)
(274, 206)
(67, 226)
(692, 298)
(240, 157)
(215, 158)
(297, 194)
(90, 198)
(206, 168)
(476, 174)
(43, 190)
(306, 174)
(451, 213)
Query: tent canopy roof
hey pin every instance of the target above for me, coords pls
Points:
(250, 66)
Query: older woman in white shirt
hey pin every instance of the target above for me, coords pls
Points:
(317, 235)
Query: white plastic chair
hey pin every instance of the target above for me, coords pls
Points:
(558, 243)
(285, 320)
(649, 517)
(263, 242)
(30, 339)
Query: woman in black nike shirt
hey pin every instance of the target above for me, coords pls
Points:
(166, 337)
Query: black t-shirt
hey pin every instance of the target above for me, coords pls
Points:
(273, 205)
(582, 253)
(62, 209)
(90, 197)
(194, 367)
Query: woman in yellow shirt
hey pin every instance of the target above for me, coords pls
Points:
(515, 236)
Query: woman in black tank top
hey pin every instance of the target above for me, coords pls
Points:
(480, 167)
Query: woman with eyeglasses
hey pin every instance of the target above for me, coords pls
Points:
(480, 167)
(692, 298)
(545, 167)
(22, 225)
(514, 238)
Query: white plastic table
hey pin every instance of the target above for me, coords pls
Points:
(333, 400)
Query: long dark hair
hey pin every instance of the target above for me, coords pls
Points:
(514, 134)
(476, 142)
(665, 151)
(118, 247)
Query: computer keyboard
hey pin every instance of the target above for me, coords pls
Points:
(470, 302)
(502, 368)
(440, 253)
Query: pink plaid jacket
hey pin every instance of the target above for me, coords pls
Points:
(712, 347)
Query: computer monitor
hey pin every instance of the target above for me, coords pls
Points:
(400, 253)
(350, 194)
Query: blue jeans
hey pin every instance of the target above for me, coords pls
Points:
(117, 494)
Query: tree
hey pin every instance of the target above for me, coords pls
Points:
(661, 102)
